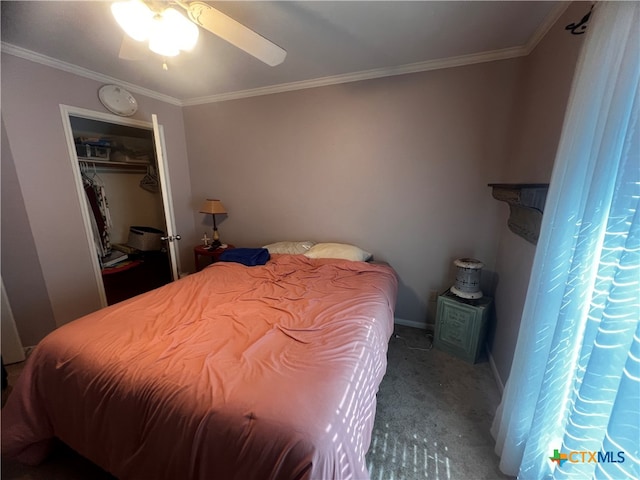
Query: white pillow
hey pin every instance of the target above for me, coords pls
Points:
(338, 250)
(292, 248)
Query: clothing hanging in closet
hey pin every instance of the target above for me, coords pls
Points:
(101, 220)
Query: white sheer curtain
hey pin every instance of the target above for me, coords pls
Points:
(575, 380)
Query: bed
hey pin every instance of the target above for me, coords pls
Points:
(236, 372)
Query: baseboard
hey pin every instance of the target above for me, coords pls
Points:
(410, 323)
(496, 375)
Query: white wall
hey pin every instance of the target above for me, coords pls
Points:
(398, 166)
(542, 98)
(27, 290)
(31, 95)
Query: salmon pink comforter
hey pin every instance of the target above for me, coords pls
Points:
(267, 372)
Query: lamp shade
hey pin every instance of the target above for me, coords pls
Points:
(212, 206)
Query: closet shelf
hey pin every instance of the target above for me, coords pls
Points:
(526, 204)
(113, 166)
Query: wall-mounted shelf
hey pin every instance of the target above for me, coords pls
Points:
(526, 204)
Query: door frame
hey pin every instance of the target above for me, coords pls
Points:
(167, 204)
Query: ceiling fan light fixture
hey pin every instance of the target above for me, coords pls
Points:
(182, 31)
(161, 39)
(134, 17)
(169, 31)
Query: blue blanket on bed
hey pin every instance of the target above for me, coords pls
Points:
(246, 256)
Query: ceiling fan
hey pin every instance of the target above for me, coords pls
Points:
(168, 31)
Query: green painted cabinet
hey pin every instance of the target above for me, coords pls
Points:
(461, 325)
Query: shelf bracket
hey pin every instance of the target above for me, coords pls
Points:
(526, 204)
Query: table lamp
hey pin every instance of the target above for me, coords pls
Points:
(213, 206)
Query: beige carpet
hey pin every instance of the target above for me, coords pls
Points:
(432, 422)
(433, 415)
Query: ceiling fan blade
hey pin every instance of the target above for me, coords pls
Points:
(131, 49)
(235, 33)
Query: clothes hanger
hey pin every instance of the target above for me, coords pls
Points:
(84, 173)
(96, 178)
(150, 181)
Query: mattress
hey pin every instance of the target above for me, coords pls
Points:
(266, 372)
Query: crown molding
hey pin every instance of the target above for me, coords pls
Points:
(363, 75)
(84, 72)
(544, 28)
(437, 64)
(451, 62)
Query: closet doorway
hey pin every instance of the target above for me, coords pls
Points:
(124, 195)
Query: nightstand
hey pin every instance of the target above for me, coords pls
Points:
(212, 255)
(461, 325)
